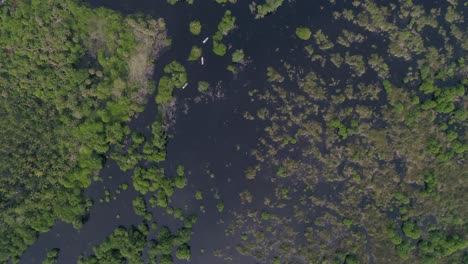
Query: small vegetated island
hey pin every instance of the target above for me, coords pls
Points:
(361, 156)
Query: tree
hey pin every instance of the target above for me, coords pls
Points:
(411, 230)
(238, 56)
(195, 27)
(183, 252)
(195, 53)
(203, 86)
(165, 259)
(180, 170)
(303, 33)
(180, 182)
(183, 236)
(139, 205)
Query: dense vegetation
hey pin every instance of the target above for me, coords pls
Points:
(266, 8)
(195, 27)
(175, 77)
(225, 25)
(71, 77)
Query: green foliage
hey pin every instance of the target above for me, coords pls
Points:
(411, 230)
(404, 249)
(69, 85)
(347, 222)
(382, 165)
(282, 172)
(165, 259)
(250, 173)
(161, 199)
(164, 243)
(220, 206)
(219, 48)
(438, 244)
(225, 1)
(266, 215)
(178, 214)
(404, 44)
(268, 7)
(203, 86)
(138, 147)
(190, 221)
(356, 63)
(303, 33)
(180, 170)
(148, 180)
(123, 246)
(183, 252)
(395, 238)
(177, 73)
(183, 236)
(225, 25)
(274, 76)
(195, 27)
(172, 2)
(427, 87)
(430, 183)
(232, 69)
(51, 257)
(238, 56)
(180, 182)
(402, 198)
(139, 206)
(322, 40)
(198, 195)
(175, 77)
(155, 149)
(195, 53)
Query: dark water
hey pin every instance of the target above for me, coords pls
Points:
(213, 136)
